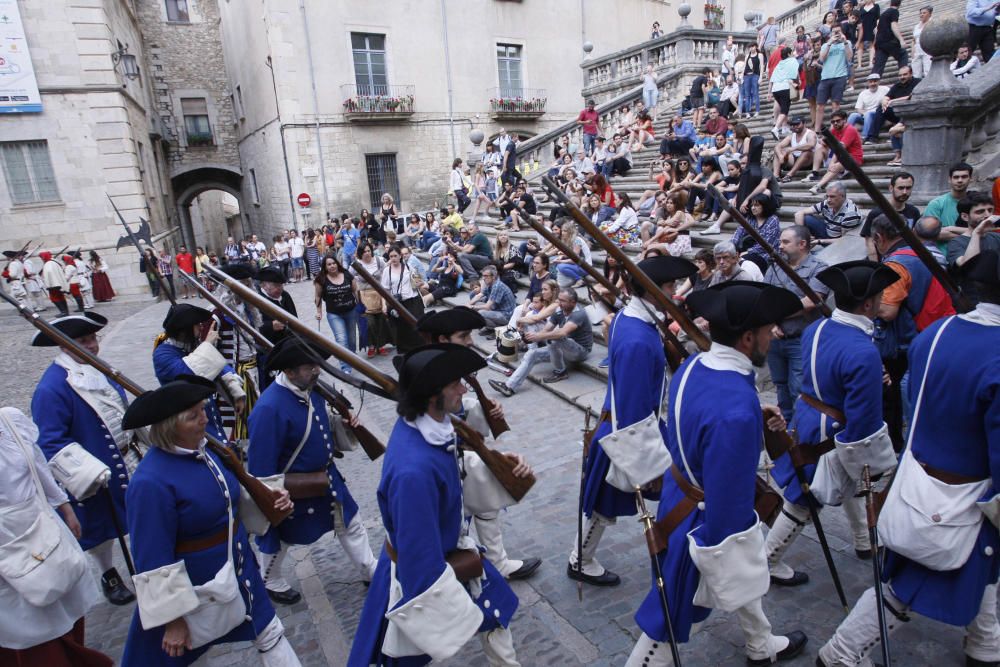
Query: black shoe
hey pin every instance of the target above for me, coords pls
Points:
(606, 578)
(114, 589)
(972, 662)
(556, 376)
(502, 388)
(488, 333)
(797, 579)
(863, 554)
(291, 596)
(528, 567)
(796, 642)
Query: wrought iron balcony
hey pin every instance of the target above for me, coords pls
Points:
(517, 102)
(377, 102)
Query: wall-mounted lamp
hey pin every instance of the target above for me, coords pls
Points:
(129, 65)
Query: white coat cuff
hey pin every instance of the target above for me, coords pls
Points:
(481, 491)
(234, 385)
(206, 361)
(875, 450)
(164, 594)
(79, 471)
(733, 572)
(441, 619)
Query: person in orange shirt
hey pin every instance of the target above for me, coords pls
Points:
(185, 262)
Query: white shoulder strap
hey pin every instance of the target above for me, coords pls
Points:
(611, 383)
(677, 417)
(923, 382)
(815, 382)
(28, 455)
(305, 436)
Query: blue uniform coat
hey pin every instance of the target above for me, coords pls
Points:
(637, 365)
(957, 430)
(722, 443)
(168, 363)
(420, 499)
(63, 417)
(849, 377)
(276, 425)
(177, 497)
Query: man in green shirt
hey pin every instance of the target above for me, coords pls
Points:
(945, 207)
(474, 251)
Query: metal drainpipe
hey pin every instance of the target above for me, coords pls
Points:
(447, 67)
(315, 96)
(281, 134)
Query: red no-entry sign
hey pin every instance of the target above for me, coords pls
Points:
(304, 199)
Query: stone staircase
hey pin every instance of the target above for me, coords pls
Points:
(586, 386)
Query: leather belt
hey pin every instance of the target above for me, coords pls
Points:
(663, 528)
(467, 564)
(202, 543)
(948, 477)
(828, 410)
(803, 455)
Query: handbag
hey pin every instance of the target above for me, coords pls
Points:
(302, 485)
(637, 452)
(43, 563)
(220, 606)
(371, 301)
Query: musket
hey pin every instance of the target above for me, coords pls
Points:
(501, 466)
(497, 426)
(373, 448)
(648, 521)
(664, 303)
(776, 256)
(150, 265)
(883, 205)
(32, 252)
(262, 495)
(872, 518)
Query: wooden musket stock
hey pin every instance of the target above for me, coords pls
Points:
(262, 495)
(501, 466)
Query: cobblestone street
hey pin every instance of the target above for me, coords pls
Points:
(552, 627)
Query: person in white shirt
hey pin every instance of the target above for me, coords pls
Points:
(297, 250)
(965, 63)
(869, 101)
(501, 141)
(921, 62)
(280, 253)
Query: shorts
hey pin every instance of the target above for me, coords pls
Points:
(784, 100)
(810, 91)
(298, 263)
(697, 102)
(831, 90)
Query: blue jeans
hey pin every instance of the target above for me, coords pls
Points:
(817, 226)
(867, 119)
(650, 98)
(606, 213)
(750, 90)
(427, 240)
(589, 140)
(567, 274)
(784, 358)
(344, 327)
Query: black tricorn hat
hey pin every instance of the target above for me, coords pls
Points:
(740, 305)
(74, 326)
(270, 274)
(172, 398)
(447, 322)
(237, 271)
(857, 280)
(984, 268)
(182, 316)
(664, 269)
(292, 352)
(11, 254)
(426, 370)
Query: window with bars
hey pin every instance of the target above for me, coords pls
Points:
(28, 171)
(196, 125)
(369, 63)
(177, 11)
(509, 68)
(382, 178)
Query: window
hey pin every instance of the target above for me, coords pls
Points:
(382, 178)
(177, 11)
(369, 63)
(509, 66)
(28, 170)
(196, 125)
(253, 187)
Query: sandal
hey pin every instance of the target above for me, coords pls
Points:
(894, 163)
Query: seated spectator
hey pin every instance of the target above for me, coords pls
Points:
(507, 259)
(623, 230)
(764, 217)
(567, 271)
(444, 277)
(671, 234)
(981, 235)
(795, 150)
(600, 155)
(849, 137)
(642, 133)
(417, 267)
(525, 206)
(527, 318)
(569, 339)
(899, 92)
(679, 139)
(716, 123)
(896, 142)
(583, 165)
(662, 172)
(451, 217)
(413, 231)
(606, 195)
(867, 105)
(494, 301)
(900, 189)
(474, 251)
(829, 219)
(431, 234)
(697, 188)
(728, 265)
(705, 261)
(562, 159)
(729, 98)
(718, 147)
(928, 230)
(618, 160)
(965, 63)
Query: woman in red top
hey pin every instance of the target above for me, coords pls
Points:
(642, 133)
(600, 187)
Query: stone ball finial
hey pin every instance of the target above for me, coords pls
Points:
(684, 10)
(476, 137)
(943, 36)
(749, 16)
(588, 46)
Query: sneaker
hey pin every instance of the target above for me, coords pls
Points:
(556, 376)
(371, 352)
(813, 176)
(711, 229)
(867, 142)
(850, 89)
(502, 388)
(814, 190)
(775, 134)
(604, 362)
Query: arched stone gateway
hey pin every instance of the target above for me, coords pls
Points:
(189, 184)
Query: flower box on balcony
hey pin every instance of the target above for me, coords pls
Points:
(378, 107)
(197, 140)
(517, 107)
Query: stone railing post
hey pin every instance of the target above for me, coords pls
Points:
(935, 135)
